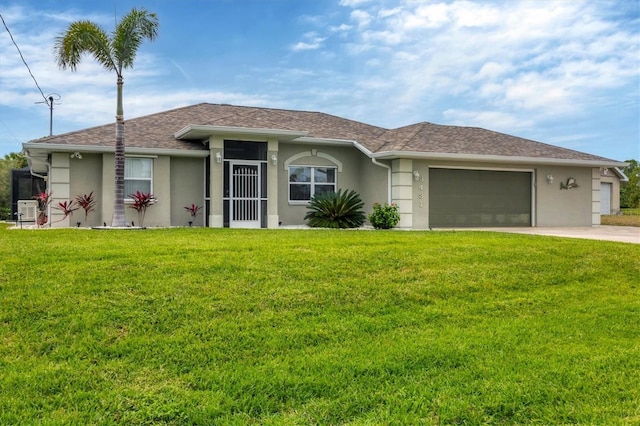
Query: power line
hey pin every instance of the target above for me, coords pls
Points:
(25, 62)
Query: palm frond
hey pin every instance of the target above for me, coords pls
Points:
(132, 30)
(83, 37)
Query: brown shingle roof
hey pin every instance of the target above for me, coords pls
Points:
(156, 131)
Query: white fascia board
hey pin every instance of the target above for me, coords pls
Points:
(48, 148)
(495, 159)
(323, 141)
(620, 173)
(334, 142)
(194, 131)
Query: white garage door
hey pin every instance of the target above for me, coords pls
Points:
(478, 198)
(605, 198)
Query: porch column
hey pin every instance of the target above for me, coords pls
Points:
(216, 179)
(595, 196)
(273, 219)
(59, 188)
(402, 190)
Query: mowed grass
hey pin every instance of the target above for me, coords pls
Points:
(297, 327)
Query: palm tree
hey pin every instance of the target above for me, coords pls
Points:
(114, 53)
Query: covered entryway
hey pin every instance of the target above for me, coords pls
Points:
(605, 198)
(244, 201)
(479, 198)
(245, 184)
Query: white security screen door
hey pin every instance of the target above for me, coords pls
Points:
(244, 202)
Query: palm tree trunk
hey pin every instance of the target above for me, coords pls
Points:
(119, 219)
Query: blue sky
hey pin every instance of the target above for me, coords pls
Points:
(560, 72)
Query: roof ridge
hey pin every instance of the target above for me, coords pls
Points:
(397, 130)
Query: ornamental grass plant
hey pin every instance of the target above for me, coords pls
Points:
(341, 209)
(207, 326)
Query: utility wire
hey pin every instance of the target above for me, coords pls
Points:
(46, 101)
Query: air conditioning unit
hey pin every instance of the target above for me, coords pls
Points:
(27, 210)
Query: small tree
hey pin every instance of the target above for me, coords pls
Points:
(630, 191)
(13, 160)
(115, 52)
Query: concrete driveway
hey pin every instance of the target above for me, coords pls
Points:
(622, 234)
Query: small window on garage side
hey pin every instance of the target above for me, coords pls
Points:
(138, 175)
(306, 181)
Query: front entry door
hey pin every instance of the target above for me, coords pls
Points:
(244, 200)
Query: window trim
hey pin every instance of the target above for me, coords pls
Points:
(149, 179)
(312, 184)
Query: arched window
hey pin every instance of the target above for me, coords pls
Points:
(308, 178)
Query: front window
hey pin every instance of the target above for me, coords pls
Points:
(305, 182)
(138, 174)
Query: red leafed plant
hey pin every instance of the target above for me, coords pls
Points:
(43, 199)
(66, 207)
(141, 202)
(87, 202)
(194, 211)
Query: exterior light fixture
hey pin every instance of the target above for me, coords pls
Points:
(549, 179)
(274, 159)
(218, 157)
(76, 155)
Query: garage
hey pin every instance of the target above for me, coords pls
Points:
(479, 198)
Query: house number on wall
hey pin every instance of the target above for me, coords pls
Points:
(421, 192)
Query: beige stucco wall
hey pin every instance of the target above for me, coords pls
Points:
(216, 146)
(374, 183)
(158, 214)
(562, 207)
(179, 182)
(86, 176)
(187, 187)
(357, 173)
(552, 206)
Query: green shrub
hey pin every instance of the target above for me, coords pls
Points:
(384, 216)
(5, 213)
(336, 210)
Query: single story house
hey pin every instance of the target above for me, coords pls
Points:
(259, 167)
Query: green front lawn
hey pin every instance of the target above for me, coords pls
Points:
(293, 327)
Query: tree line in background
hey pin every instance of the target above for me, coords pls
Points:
(629, 192)
(14, 160)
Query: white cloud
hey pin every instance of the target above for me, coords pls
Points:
(313, 42)
(543, 58)
(342, 28)
(353, 3)
(304, 46)
(493, 120)
(385, 13)
(362, 18)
